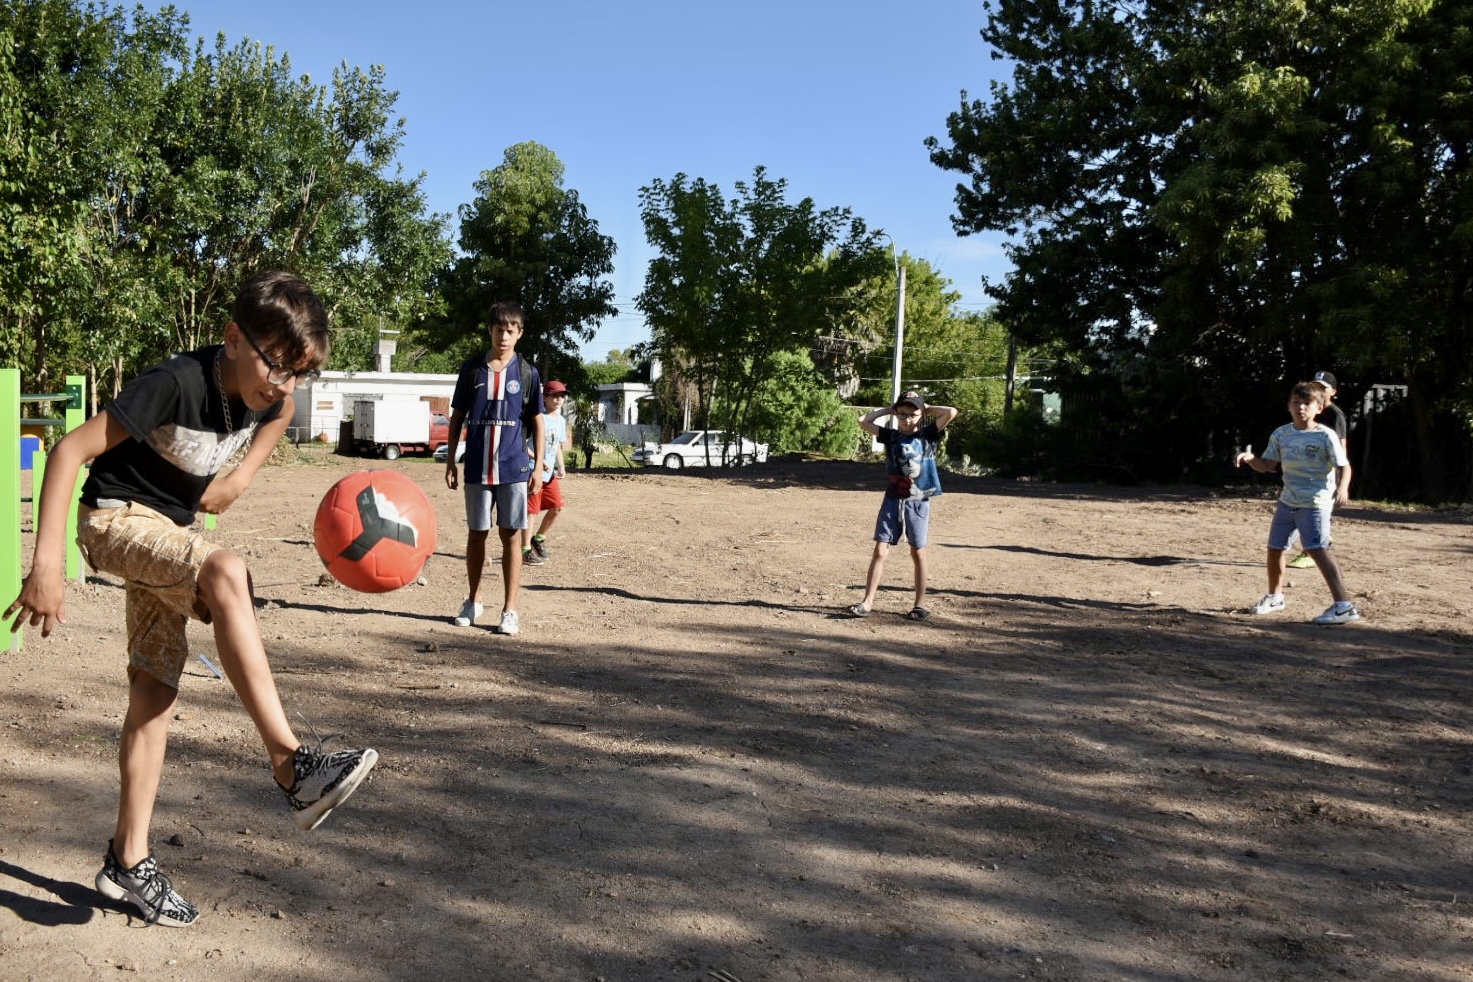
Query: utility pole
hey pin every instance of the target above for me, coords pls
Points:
(899, 329)
(875, 445)
(1007, 402)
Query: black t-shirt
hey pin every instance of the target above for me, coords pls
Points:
(173, 414)
(1332, 417)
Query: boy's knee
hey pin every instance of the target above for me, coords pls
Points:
(223, 575)
(150, 694)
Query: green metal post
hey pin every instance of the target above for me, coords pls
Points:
(76, 415)
(10, 495)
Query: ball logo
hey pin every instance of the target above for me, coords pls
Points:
(380, 521)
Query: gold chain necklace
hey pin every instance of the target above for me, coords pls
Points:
(224, 399)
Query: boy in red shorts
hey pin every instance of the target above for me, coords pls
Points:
(549, 501)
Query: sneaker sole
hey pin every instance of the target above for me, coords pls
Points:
(114, 891)
(316, 813)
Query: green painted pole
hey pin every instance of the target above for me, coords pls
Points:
(76, 415)
(10, 495)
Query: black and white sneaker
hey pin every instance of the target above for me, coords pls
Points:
(323, 781)
(147, 888)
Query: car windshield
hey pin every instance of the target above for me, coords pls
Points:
(685, 438)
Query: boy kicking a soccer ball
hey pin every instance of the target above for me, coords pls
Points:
(155, 451)
(1316, 478)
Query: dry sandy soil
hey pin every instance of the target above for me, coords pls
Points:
(1089, 765)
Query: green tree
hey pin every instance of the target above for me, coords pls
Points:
(1212, 199)
(142, 176)
(956, 358)
(739, 281)
(609, 371)
(528, 238)
(796, 410)
(60, 144)
(271, 170)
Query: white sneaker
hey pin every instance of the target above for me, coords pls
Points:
(469, 611)
(509, 622)
(1271, 603)
(1338, 615)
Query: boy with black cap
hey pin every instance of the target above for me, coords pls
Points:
(1333, 418)
(910, 463)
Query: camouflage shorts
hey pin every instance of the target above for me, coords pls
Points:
(159, 563)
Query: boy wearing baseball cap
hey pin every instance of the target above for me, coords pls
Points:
(549, 500)
(913, 480)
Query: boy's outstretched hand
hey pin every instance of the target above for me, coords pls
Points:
(42, 602)
(1254, 461)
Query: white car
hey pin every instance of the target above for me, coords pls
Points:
(443, 451)
(697, 448)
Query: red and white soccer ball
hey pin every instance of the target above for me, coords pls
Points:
(374, 530)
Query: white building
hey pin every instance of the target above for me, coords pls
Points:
(322, 408)
(618, 411)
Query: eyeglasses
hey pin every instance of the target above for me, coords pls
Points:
(280, 374)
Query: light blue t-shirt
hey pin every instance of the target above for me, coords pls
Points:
(1308, 459)
(555, 430)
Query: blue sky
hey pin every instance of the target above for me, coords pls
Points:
(837, 98)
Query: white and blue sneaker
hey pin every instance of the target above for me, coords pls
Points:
(1270, 604)
(1339, 614)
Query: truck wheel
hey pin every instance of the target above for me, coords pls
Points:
(391, 451)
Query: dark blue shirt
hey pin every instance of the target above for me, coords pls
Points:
(499, 419)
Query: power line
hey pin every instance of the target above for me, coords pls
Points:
(959, 378)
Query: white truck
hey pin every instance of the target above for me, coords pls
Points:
(390, 427)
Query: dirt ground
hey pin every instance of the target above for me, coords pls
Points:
(1089, 765)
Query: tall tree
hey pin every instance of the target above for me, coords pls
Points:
(528, 238)
(145, 175)
(738, 281)
(1212, 198)
(60, 69)
(956, 358)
